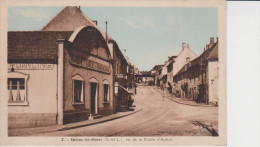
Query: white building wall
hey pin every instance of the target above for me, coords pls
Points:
(41, 92)
(213, 81)
(180, 60)
(164, 70)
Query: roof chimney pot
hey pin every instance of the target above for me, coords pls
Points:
(184, 46)
(187, 60)
(212, 39)
(95, 21)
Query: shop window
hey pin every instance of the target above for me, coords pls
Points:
(17, 88)
(78, 90)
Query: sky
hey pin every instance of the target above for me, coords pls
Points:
(149, 35)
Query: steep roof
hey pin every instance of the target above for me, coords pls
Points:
(214, 54)
(209, 54)
(69, 19)
(34, 46)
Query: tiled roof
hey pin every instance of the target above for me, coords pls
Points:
(69, 19)
(209, 54)
(214, 54)
(35, 46)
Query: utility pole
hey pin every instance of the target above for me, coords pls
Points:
(106, 32)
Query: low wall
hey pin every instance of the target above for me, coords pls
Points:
(30, 120)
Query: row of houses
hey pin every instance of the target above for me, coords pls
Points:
(190, 76)
(66, 72)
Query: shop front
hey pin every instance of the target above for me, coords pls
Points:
(88, 80)
(58, 77)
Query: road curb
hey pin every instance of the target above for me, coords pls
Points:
(98, 122)
(63, 127)
(186, 103)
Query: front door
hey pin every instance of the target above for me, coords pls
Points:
(93, 90)
(202, 94)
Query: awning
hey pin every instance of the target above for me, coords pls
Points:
(129, 92)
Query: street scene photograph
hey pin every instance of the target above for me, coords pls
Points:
(113, 71)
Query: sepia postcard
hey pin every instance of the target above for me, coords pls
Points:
(113, 73)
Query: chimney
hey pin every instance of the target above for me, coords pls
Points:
(211, 41)
(95, 21)
(183, 46)
(187, 60)
(217, 39)
(207, 47)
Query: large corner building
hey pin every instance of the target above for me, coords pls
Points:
(60, 74)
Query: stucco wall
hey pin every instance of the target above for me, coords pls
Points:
(42, 103)
(78, 112)
(180, 60)
(213, 81)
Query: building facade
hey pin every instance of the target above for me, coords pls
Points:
(156, 69)
(198, 79)
(123, 78)
(60, 74)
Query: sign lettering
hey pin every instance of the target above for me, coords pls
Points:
(30, 66)
(75, 60)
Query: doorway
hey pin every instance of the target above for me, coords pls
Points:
(93, 98)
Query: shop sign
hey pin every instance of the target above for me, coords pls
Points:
(75, 60)
(30, 66)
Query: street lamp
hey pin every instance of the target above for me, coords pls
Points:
(116, 88)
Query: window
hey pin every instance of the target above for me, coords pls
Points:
(17, 85)
(78, 90)
(106, 93)
(17, 89)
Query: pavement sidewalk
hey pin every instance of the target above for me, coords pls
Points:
(37, 130)
(183, 101)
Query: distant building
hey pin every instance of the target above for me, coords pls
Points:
(156, 69)
(163, 74)
(173, 65)
(198, 79)
(185, 54)
(136, 71)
